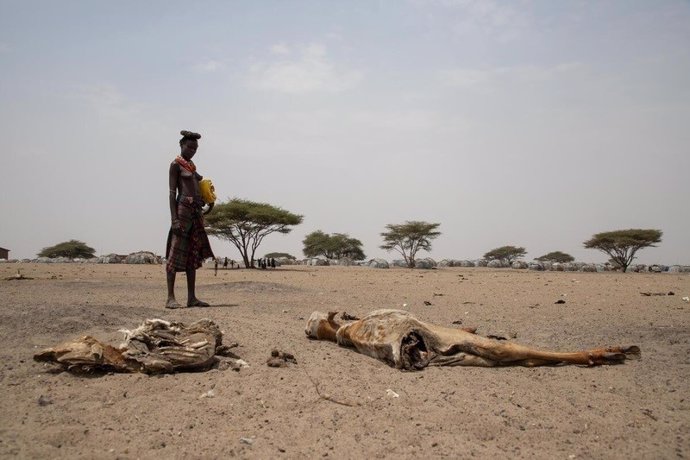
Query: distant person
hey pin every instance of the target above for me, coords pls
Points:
(188, 244)
(273, 263)
(215, 266)
(225, 263)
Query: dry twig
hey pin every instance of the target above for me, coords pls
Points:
(326, 397)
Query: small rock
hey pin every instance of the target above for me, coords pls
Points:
(44, 401)
(559, 301)
(280, 359)
(248, 441)
(427, 303)
(208, 394)
(392, 394)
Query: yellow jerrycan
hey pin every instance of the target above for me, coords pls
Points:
(208, 191)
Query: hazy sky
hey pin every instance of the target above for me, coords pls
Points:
(530, 123)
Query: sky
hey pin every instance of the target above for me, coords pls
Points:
(527, 123)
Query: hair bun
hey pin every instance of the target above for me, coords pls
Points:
(190, 135)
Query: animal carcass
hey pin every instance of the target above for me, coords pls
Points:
(157, 346)
(401, 340)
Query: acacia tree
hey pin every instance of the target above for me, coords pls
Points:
(72, 249)
(246, 223)
(334, 246)
(410, 237)
(506, 254)
(621, 245)
(556, 256)
(279, 255)
(315, 244)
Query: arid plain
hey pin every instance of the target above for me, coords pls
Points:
(335, 403)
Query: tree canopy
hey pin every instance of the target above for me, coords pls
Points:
(622, 245)
(556, 256)
(246, 223)
(280, 255)
(410, 237)
(73, 249)
(333, 246)
(506, 254)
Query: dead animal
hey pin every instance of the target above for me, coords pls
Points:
(155, 347)
(404, 342)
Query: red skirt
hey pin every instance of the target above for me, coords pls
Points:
(189, 250)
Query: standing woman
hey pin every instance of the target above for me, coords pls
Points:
(188, 244)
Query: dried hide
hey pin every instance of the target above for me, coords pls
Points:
(155, 347)
(401, 340)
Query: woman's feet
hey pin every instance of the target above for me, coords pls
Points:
(197, 303)
(172, 304)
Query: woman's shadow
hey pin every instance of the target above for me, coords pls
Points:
(220, 305)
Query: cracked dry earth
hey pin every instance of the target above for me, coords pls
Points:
(335, 403)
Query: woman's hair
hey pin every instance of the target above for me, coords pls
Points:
(188, 135)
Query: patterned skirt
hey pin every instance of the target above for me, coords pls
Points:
(189, 250)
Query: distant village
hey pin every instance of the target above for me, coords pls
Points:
(148, 257)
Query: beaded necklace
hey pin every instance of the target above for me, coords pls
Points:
(186, 164)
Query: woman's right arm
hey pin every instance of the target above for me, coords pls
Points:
(173, 182)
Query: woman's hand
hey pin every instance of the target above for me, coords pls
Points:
(177, 227)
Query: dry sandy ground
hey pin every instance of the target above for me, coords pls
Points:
(639, 410)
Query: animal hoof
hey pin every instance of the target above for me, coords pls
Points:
(632, 352)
